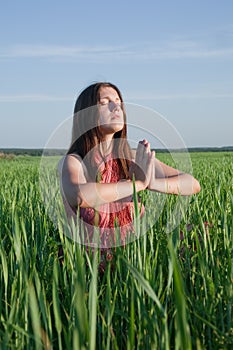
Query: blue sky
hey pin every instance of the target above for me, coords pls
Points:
(175, 57)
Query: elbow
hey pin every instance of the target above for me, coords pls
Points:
(190, 188)
(74, 197)
(196, 186)
(85, 199)
(81, 201)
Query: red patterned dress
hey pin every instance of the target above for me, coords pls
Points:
(112, 223)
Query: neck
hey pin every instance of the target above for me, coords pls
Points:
(106, 146)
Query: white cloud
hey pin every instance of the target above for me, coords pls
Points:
(175, 49)
(54, 51)
(137, 96)
(34, 98)
(150, 96)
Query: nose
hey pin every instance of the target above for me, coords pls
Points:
(113, 106)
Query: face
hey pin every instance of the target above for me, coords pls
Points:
(111, 117)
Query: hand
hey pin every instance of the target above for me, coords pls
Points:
(141, 168)
(152, 181)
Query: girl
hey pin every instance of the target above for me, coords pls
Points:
(100, 172)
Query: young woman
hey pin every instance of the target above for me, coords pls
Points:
(100, 172)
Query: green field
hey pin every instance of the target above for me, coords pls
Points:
(162, 291)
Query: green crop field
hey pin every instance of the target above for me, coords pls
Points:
(163, 291)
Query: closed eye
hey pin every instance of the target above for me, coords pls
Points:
(110, 103)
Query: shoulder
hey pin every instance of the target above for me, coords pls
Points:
(71, 164)
(69, 159)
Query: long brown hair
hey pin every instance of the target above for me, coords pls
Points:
(86, 134)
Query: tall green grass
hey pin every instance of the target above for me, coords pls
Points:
(162, 291)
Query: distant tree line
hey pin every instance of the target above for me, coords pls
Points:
(38, 152)
(60, 152)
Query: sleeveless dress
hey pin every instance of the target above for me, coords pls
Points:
(110, 224)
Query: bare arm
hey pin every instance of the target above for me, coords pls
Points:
(81, 193)
(166, 179)
(169, 180)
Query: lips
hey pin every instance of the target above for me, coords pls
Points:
(115, 116)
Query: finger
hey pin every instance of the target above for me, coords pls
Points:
(147, 150)
(143, 154)
(144, 144)
(152, 154)
(140, 151)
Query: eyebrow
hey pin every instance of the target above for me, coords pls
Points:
(109, 98)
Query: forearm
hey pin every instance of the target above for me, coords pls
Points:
(95, 194)
(182, 184)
